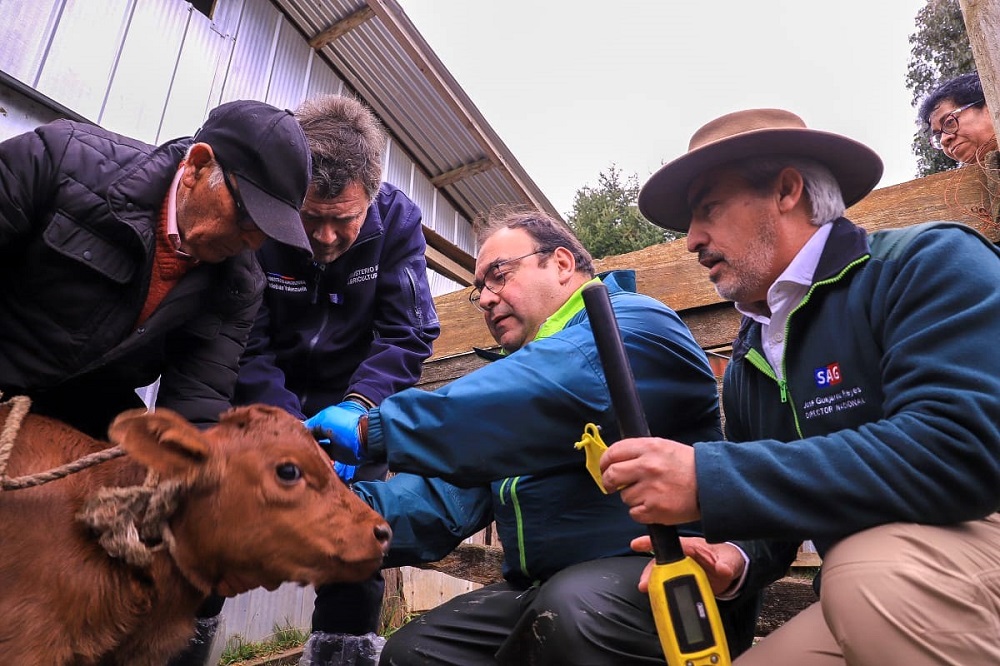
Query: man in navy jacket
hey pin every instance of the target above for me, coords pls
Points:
(861, 400)
(352, 325)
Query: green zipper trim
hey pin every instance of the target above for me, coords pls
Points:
(522, 559)
(509, 486)
(555, 323)
(783, 385)
(503, 489)
(758, 361)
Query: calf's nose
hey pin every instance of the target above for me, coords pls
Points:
(383, 534)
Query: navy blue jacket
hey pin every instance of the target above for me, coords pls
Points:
(362, 324)
(889, 410)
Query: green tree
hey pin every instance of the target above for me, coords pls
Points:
(940, 51)
(606, 218)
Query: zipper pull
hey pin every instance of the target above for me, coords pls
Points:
(317, 277)
(783, 388)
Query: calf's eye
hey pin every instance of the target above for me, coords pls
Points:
(288, 472)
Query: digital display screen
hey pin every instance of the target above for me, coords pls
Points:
(690, 618)
(688, 611)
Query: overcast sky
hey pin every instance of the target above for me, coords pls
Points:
(573, 86)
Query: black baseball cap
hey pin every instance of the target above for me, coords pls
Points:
(265, 150)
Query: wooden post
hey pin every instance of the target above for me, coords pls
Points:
(982, 24)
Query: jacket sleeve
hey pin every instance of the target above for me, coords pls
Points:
(428, 517)
(769, 561)
(523, 413)
(203, 356)
(27, 179)
(405, 321)
(260, 378)
(933, 457)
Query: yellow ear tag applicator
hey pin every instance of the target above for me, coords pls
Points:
(594, 447)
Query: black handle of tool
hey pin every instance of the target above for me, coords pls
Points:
(625, 398)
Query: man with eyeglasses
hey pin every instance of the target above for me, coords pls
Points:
(122, 262)
(569, 594)
(957, 120)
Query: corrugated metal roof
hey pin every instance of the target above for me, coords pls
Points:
(383, 56)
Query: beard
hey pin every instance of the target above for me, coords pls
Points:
(746, 277)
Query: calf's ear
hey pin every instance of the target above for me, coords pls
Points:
(161, 440)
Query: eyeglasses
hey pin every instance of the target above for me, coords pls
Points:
(950, 124)
(243, 219)
(495, 280)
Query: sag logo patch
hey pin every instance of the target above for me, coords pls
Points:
(827, 376)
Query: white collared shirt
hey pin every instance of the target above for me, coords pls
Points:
(782, 297)
(785, 295)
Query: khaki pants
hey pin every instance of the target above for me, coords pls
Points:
(905, 594)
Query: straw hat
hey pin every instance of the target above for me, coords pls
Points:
(755, 133)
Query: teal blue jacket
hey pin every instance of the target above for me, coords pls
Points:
(483, 431)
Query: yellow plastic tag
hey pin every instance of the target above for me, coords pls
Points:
(594, 447)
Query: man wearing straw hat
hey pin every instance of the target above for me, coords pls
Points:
(862, 400)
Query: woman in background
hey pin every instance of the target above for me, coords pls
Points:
(958, 121)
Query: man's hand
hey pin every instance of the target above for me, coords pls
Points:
(342, 431)
(723, 562)
(656, 477)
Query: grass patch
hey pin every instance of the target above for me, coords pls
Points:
(284, 638)
(804, 573)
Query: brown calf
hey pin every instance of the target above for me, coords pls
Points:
(261, 506)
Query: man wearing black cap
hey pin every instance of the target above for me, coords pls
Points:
(122, 262)
(350, 326)
(861, 399)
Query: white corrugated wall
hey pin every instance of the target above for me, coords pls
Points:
(153, 69)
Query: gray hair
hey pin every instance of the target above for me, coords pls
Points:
(346, 141)
(216, 175)
(826, 202)
(547, 232)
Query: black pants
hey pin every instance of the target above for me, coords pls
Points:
(590, 613)
(341, 608)
(349, 608)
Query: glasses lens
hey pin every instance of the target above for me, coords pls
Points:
(474, 298)
(936, 140)
(494, 280)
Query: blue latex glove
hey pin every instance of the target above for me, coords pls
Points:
(338, 431)
(344, 471)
